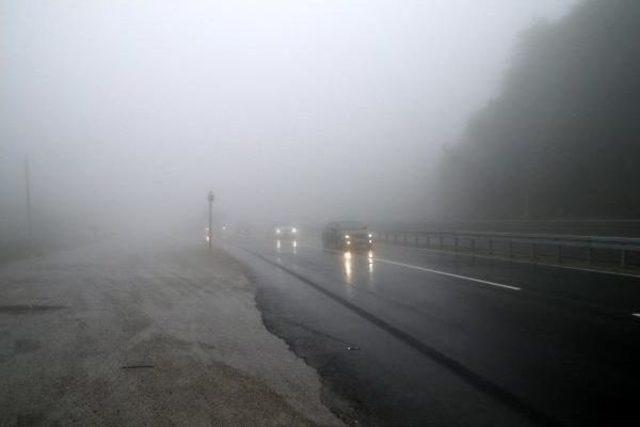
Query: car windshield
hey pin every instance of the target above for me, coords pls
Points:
(356, 232)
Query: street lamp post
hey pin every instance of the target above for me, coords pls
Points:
(211, 198)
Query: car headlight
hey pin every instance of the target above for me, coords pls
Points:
(294, 230)
(370, 235)
(277, 231)
(346, 236)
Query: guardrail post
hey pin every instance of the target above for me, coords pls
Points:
(510, 248)
(441, 242)
(455, 244)
(473, 245)
(490, 245)
(590, 254)
(623, 258)
(416, 240)
(533, 251)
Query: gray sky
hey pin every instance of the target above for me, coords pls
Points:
(291, 109)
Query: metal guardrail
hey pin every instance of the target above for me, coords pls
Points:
(532, 246)
(584, 227)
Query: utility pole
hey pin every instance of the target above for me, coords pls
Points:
(211, 197)
(27, 179)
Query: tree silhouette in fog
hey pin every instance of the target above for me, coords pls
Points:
(563, 138)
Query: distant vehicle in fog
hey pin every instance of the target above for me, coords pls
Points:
(347, 236)
(286, 232)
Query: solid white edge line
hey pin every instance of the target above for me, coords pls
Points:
(592, 270)
(635, 314)
(444, 273)
(524, 261)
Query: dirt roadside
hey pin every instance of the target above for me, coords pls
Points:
(121, 334)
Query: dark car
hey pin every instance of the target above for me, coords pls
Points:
(347, 236)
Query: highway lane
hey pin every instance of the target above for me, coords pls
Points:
(541, 344)
(611, 291)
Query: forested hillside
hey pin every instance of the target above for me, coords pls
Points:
(562, 140)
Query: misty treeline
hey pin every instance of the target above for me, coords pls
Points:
(562, 140)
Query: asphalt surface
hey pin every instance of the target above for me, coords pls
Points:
(410, 337)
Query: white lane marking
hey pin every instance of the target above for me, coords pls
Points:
(524, 261)
(592, 270)
(444, 273)
(635, 314)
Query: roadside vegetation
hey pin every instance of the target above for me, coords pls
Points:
(561, 140)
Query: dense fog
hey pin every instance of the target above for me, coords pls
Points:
(305, 111)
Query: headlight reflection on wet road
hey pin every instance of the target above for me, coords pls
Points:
(284, 246)
(348, 266)
(348, 261)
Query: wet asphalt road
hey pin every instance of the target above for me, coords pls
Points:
(411, 337)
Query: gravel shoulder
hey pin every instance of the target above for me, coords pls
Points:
(129, 334)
